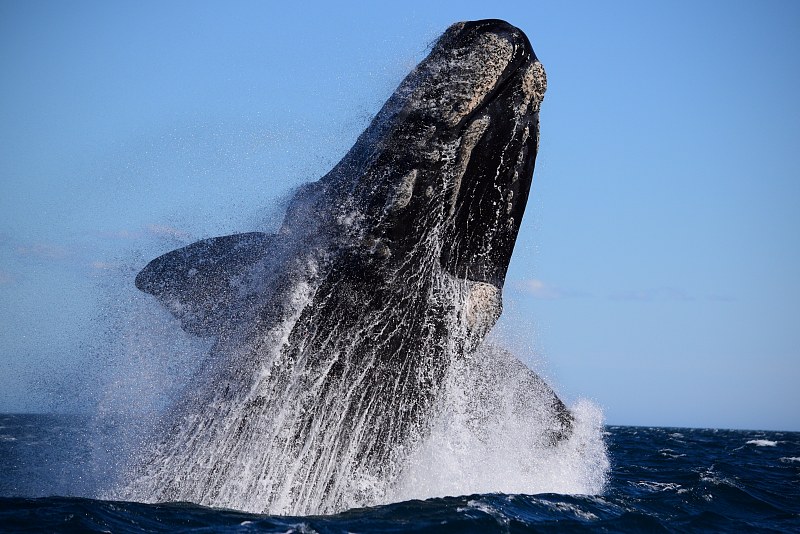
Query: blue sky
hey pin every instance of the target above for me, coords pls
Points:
(656, 272)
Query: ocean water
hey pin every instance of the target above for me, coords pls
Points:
(661, 479)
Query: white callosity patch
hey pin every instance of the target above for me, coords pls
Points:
(534, 84)
(462, 78)
(484, 304)
(404, 191)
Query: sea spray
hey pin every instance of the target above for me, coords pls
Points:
(493, 434)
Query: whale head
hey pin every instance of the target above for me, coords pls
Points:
(438, 181)
(447, 164)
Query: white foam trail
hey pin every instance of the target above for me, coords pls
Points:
(762, 443)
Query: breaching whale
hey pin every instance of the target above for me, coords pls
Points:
(333, 336)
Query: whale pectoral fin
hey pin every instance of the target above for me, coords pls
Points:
(202, 283)
(515, 388)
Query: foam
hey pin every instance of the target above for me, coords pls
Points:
(762, 443)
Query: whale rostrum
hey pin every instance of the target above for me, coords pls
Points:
(334, 336)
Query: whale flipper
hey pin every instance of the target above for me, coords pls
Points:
(500, 384)
(205, 283)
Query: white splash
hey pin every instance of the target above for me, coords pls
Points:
(494, 436)
(762, 443)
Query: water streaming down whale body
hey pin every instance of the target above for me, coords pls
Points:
(337, 337)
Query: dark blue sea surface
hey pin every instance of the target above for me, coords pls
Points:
(662, 479)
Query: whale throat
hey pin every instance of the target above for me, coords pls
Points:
(340, 340)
